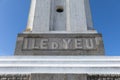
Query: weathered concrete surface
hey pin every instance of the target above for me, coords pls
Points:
(43, 77)
(15, 77)
(59, 44)
(58, 77)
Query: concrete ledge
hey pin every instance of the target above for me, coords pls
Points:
(60, 64)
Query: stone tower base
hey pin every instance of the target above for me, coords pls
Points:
(59, 44)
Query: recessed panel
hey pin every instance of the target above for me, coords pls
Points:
(58, 15)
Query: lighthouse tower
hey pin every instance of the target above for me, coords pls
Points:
(59, 27)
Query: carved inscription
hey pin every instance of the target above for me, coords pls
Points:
(103, 77)
(14, 77)
(59, 43)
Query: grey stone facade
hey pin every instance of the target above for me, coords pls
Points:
(59, 44)
(15, 77)
(58, 77)
(43, 77)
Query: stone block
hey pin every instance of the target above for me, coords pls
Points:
(59, 44)
(58, 77)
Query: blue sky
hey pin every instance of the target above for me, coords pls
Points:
(14, 14)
